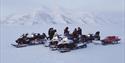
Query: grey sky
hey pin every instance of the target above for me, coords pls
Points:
(20, 6)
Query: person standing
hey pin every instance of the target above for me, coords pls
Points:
(50, 33)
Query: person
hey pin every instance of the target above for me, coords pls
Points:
(50, 33)
(75, 36)
(79, 31)
(75, 33)
(53, 42)
(66, 31)
(54, 31)
(97, 35)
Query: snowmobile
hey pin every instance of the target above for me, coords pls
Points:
(110, 40)
(63, 45)
(24, 41)
(63, 48)
(32, 43)
(53, 43)
(67, 45)
(87, 38)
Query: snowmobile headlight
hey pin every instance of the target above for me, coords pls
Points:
(88, 35)
(31, 35)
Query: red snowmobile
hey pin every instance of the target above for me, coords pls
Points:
(110, 40)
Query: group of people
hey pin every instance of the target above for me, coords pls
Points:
(76, 33)
(65, 42)
(71, 40)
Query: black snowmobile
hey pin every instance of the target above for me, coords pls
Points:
(24, 40)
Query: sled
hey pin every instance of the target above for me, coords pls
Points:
(19, 46)
(110, 40)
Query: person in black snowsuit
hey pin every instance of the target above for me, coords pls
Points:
(66, 31)
(79, 31)
(51, 33)
(75, 33)
(75, 36)
(97, 35)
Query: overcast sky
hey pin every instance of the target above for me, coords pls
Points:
(20, 6)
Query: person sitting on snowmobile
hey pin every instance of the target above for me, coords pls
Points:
(79, 31)
(51, 33)
(97, 35)
(66, 31)
(75, 36)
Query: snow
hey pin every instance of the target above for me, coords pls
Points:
(40, 54)
(108, 23)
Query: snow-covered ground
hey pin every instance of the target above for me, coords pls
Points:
(106, 23)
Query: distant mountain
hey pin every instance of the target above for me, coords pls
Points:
(50, 16)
